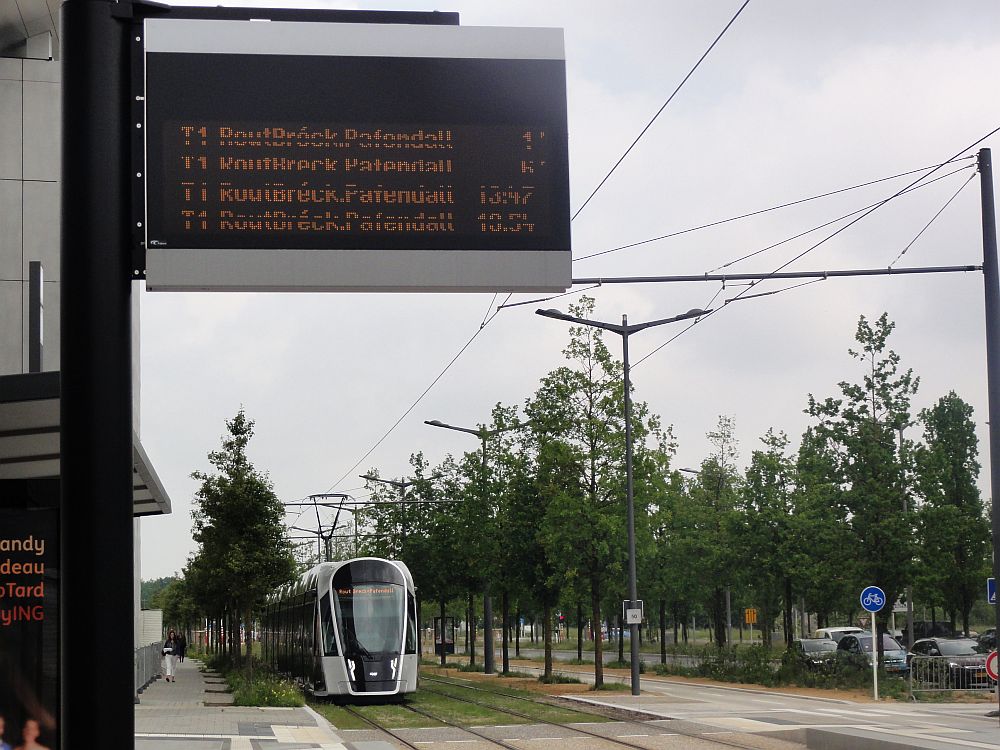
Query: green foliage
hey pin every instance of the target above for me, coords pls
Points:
(952, 525)
(149, 593)
(243, 548)
(179, 607)
(869, 464)
(558, 679)
(263, 689)
(614, 687)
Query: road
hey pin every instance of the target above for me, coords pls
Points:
(772, 713)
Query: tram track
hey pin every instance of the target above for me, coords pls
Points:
(715, 739)
(378, 727)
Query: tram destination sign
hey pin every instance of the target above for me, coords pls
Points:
(354, 157)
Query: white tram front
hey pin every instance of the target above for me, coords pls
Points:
(346, 628)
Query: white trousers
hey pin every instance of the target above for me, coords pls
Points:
(169, 665)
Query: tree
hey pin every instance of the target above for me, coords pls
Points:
(823, 547)
(763, 531)
(582, 406)
(713, 502)
(244, 552)
(953, 530)
(862, 428)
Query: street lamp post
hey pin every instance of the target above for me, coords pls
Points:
(489, 662)
(625, 330)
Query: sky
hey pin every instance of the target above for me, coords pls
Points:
(798, 98)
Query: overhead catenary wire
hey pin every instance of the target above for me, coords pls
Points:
(660, 110)
(821, 242)
(596, 283)
(416, 401)
(846, 216)
(761, 211)
(933, 219)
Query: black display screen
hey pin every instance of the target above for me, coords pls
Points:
(316, 152)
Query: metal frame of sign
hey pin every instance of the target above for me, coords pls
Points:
(493, 260)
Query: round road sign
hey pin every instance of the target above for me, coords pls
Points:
(991, 665)
(873, 599)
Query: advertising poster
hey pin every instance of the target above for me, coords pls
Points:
(29, 628)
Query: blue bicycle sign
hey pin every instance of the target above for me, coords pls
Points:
(873, 599)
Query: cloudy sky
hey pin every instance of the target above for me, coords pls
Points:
(799, 98)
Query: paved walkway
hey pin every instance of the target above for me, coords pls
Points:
(192, 713)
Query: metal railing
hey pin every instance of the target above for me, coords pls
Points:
(946, 673)
(148, 666)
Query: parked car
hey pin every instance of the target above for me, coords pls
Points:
(930, 629)
(988, 640)
(835, 634)
(816, 653)
(857, 649)
(961, 663)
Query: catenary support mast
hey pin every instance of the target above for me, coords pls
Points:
(991, 279)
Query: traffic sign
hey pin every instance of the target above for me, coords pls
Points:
(872, 599)
(750, 616)
(991, 590)
(991, 665)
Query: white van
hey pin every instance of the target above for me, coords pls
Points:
(835, 634)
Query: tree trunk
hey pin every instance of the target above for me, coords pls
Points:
(547, 636)
(533, 629)
(517, 633)
(579, 631)
(444, 650)
(684, 629)
(789, 623)
(719, 616)
(676, 623)
(663, 632)
(595, 613)
(621, 639)
(472, 630)
(505, 647)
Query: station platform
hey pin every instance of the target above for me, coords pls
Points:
(193, 714)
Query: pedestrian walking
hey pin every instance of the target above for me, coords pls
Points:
(170, 649)
(182, 645)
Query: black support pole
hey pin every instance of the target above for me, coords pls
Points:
(96, 393)
(992, 284)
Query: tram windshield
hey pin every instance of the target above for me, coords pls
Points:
(370, 616)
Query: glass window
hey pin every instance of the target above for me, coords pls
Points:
(326, 626)
(370, 616)
(959, 648)
(411, 625)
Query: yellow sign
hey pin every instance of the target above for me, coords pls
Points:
(750, 616)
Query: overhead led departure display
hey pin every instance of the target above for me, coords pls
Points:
(355, 156)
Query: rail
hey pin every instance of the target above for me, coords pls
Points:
(949, 673)
(147, 667)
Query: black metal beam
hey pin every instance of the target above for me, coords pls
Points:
(96, 393)
(779, 275)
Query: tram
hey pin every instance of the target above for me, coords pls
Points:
(346, 629)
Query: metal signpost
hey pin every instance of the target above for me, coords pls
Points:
(873, 599)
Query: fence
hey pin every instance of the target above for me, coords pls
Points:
(941, 673)
(147, 666)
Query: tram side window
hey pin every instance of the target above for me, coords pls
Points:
(411, 625)
(326, 624)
